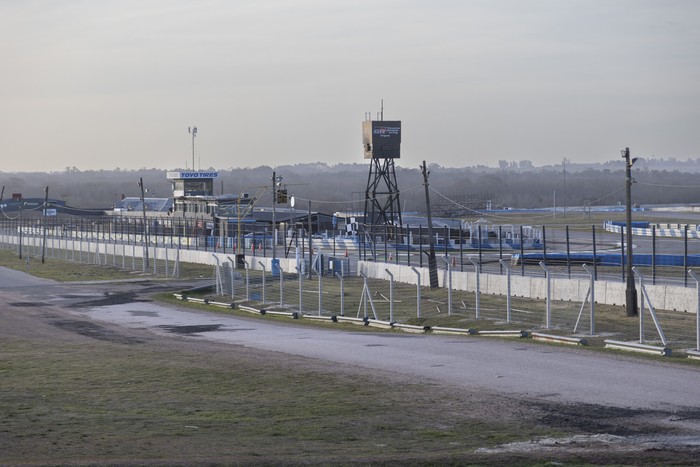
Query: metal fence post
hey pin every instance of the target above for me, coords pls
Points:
(548, 316)
(262, 265)
(233, 265)
(342, 294)
(522, 252)
(478, 287)
(281, 285)
(685, 255)
(508, 295)
(247, 280)
(391, 296)
(697, 310)
(299, 277)
(446, 259)
(219, 285)
(417, 292)
(320, 284)
(642, 294)
(592, 298)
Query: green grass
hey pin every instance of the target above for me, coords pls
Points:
(166, 401)
(70, 271)
(104, 402)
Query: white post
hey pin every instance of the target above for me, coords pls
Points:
(320, 283)
(508, 296)
(478, 287)
(548, 316)
(417, 292)
(652, 312)
(342, 294)
(592, 297)
(299, 276)
(446, 259)
(219, 286)
(391, 295)
(247, 280)
(281, 285)
(697, 311)
(233, 264)
(262, 265)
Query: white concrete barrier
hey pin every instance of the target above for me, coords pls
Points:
(538, 336)
(637, 347)
(664, 297)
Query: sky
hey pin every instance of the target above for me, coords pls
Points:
(117, 83)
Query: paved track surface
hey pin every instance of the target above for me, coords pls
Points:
(511, 367)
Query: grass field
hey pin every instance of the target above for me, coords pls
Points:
(75, 392)
(138, 399)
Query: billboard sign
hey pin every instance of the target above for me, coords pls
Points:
(381, 139)
(191, 175)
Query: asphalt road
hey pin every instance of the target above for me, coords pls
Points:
(509, 367)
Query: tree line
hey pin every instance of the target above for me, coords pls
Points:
(342, 187)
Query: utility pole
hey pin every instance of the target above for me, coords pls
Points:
(630, 291)
(432, 262)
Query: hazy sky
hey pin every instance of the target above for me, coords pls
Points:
(116, 83)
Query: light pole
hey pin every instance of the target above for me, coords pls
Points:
(630, 291)
(193, 131)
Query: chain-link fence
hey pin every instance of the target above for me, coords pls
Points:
(330, 283)
(87, 249)
(389, 300)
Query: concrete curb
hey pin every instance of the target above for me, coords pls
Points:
(558, 339)
(249, 309)
(329, 319)
(451, 331)
(380, 324)
(502, 333)
(290, 314)
(637, 347)
(411, 328)
(358, 321)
